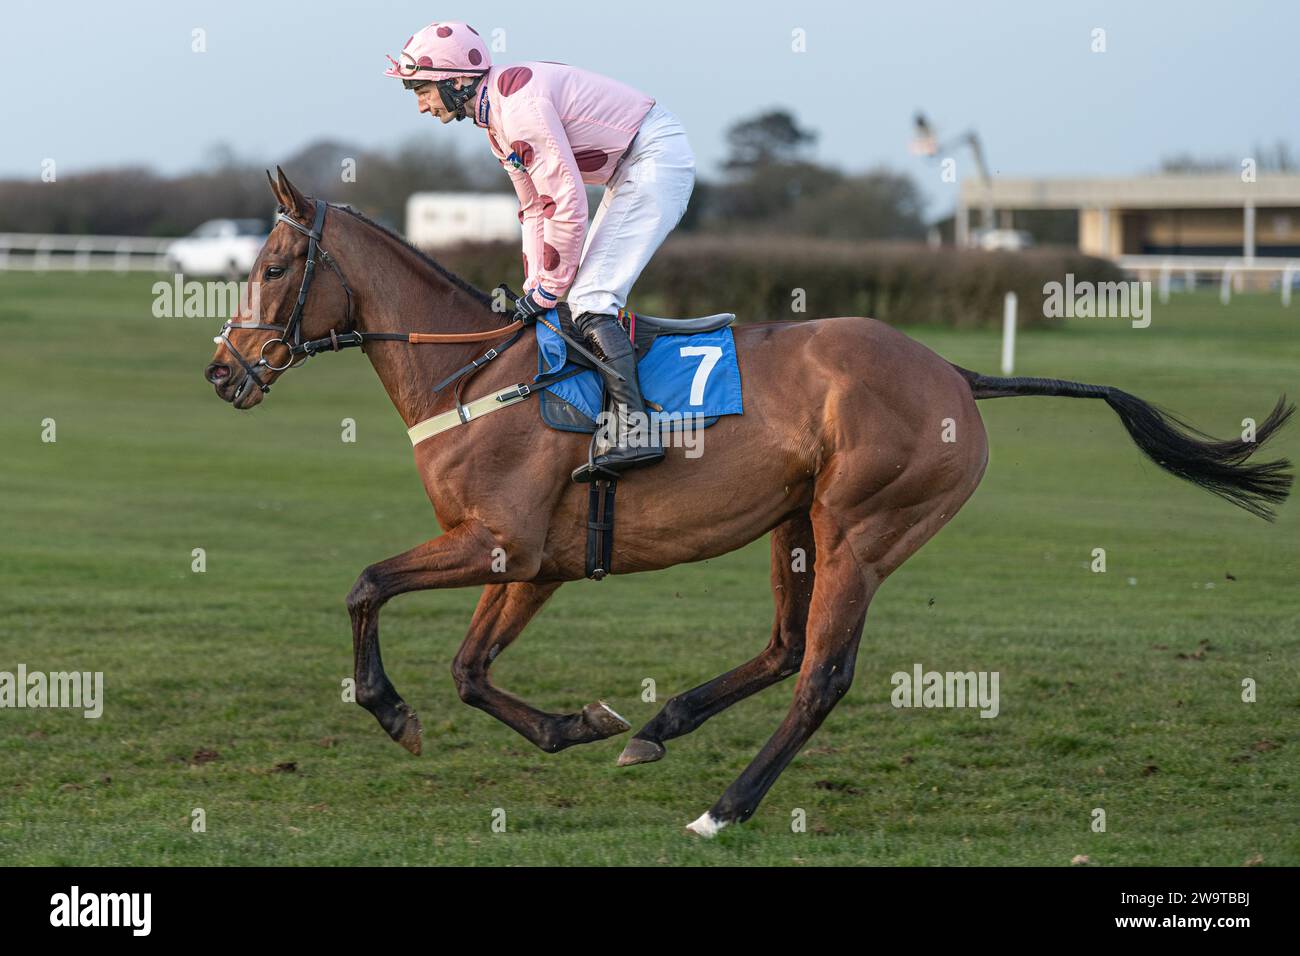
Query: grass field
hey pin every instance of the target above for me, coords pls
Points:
(1119, 691)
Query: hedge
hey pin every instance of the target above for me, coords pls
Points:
(759, 279)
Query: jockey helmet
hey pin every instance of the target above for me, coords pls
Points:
(438, 54)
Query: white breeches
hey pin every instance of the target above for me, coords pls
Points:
(644, 199)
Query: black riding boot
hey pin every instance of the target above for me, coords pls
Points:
(634, 444)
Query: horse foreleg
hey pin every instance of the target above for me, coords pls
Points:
(793, 557)
(461, 557)
(502, 613)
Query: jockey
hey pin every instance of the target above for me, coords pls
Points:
(555, 128)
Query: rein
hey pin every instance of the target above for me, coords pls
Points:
(290, 334)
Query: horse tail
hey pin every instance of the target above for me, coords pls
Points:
(1220, 467)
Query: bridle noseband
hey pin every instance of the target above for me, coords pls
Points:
(291, 332)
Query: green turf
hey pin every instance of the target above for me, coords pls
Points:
(1102, 702)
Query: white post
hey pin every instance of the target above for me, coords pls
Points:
(1287, 273)
(1225, 286)
(1248, 231)
(81, 258)
(1009, 333)
(1165, 270)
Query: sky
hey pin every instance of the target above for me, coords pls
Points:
(94, 84)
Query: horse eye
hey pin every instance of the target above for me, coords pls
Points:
(274, 272)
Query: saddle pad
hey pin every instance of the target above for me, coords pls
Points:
(686, 375)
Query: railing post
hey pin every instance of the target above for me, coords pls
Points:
(81, 257)
(1009, 333)
(1225, 285)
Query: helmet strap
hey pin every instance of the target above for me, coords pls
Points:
(455, 99)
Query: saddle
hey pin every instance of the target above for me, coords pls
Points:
(644, 329)
(724, 398)
(572, 404)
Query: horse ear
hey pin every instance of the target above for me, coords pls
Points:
(294, 202)
(275, 189)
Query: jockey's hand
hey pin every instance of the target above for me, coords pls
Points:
(531, 304)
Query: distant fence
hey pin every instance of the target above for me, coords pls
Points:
(70, 253)
(32, 252)
(1229, 272)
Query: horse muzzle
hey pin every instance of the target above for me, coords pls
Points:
(235, 386)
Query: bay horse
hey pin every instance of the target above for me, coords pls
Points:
(857, 444)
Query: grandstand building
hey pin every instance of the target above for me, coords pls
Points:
(1167, 215)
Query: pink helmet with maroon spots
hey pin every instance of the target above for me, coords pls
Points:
(439, 52)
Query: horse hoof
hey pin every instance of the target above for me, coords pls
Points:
(409, 733)
(601, 718)
(706, 826)
(640, 751)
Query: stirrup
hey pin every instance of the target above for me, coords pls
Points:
(601, 468)
(597, 470)
(590, 471)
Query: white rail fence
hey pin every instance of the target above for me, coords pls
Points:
(21, 251)
(71, 253)
(1230, 272)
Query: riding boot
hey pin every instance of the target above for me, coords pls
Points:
(634, 443)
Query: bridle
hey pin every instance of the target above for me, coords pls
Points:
(290, 334)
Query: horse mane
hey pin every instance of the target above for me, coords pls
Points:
(424, 257)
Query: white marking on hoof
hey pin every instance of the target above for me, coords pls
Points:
(706, 826)
(617, 716)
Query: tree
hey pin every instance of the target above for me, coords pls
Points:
(1275, 160)
(771, 138)
(878, 204)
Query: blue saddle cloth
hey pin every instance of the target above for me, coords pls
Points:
(686, 375)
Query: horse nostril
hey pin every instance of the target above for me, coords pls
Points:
(216, 373)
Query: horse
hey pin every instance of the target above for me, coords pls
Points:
(856, 445)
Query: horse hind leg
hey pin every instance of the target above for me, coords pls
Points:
(867, 519)
(836, 617)
(850, 568)
(793, 556)
(502, 613)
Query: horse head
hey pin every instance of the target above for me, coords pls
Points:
(267, 335)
